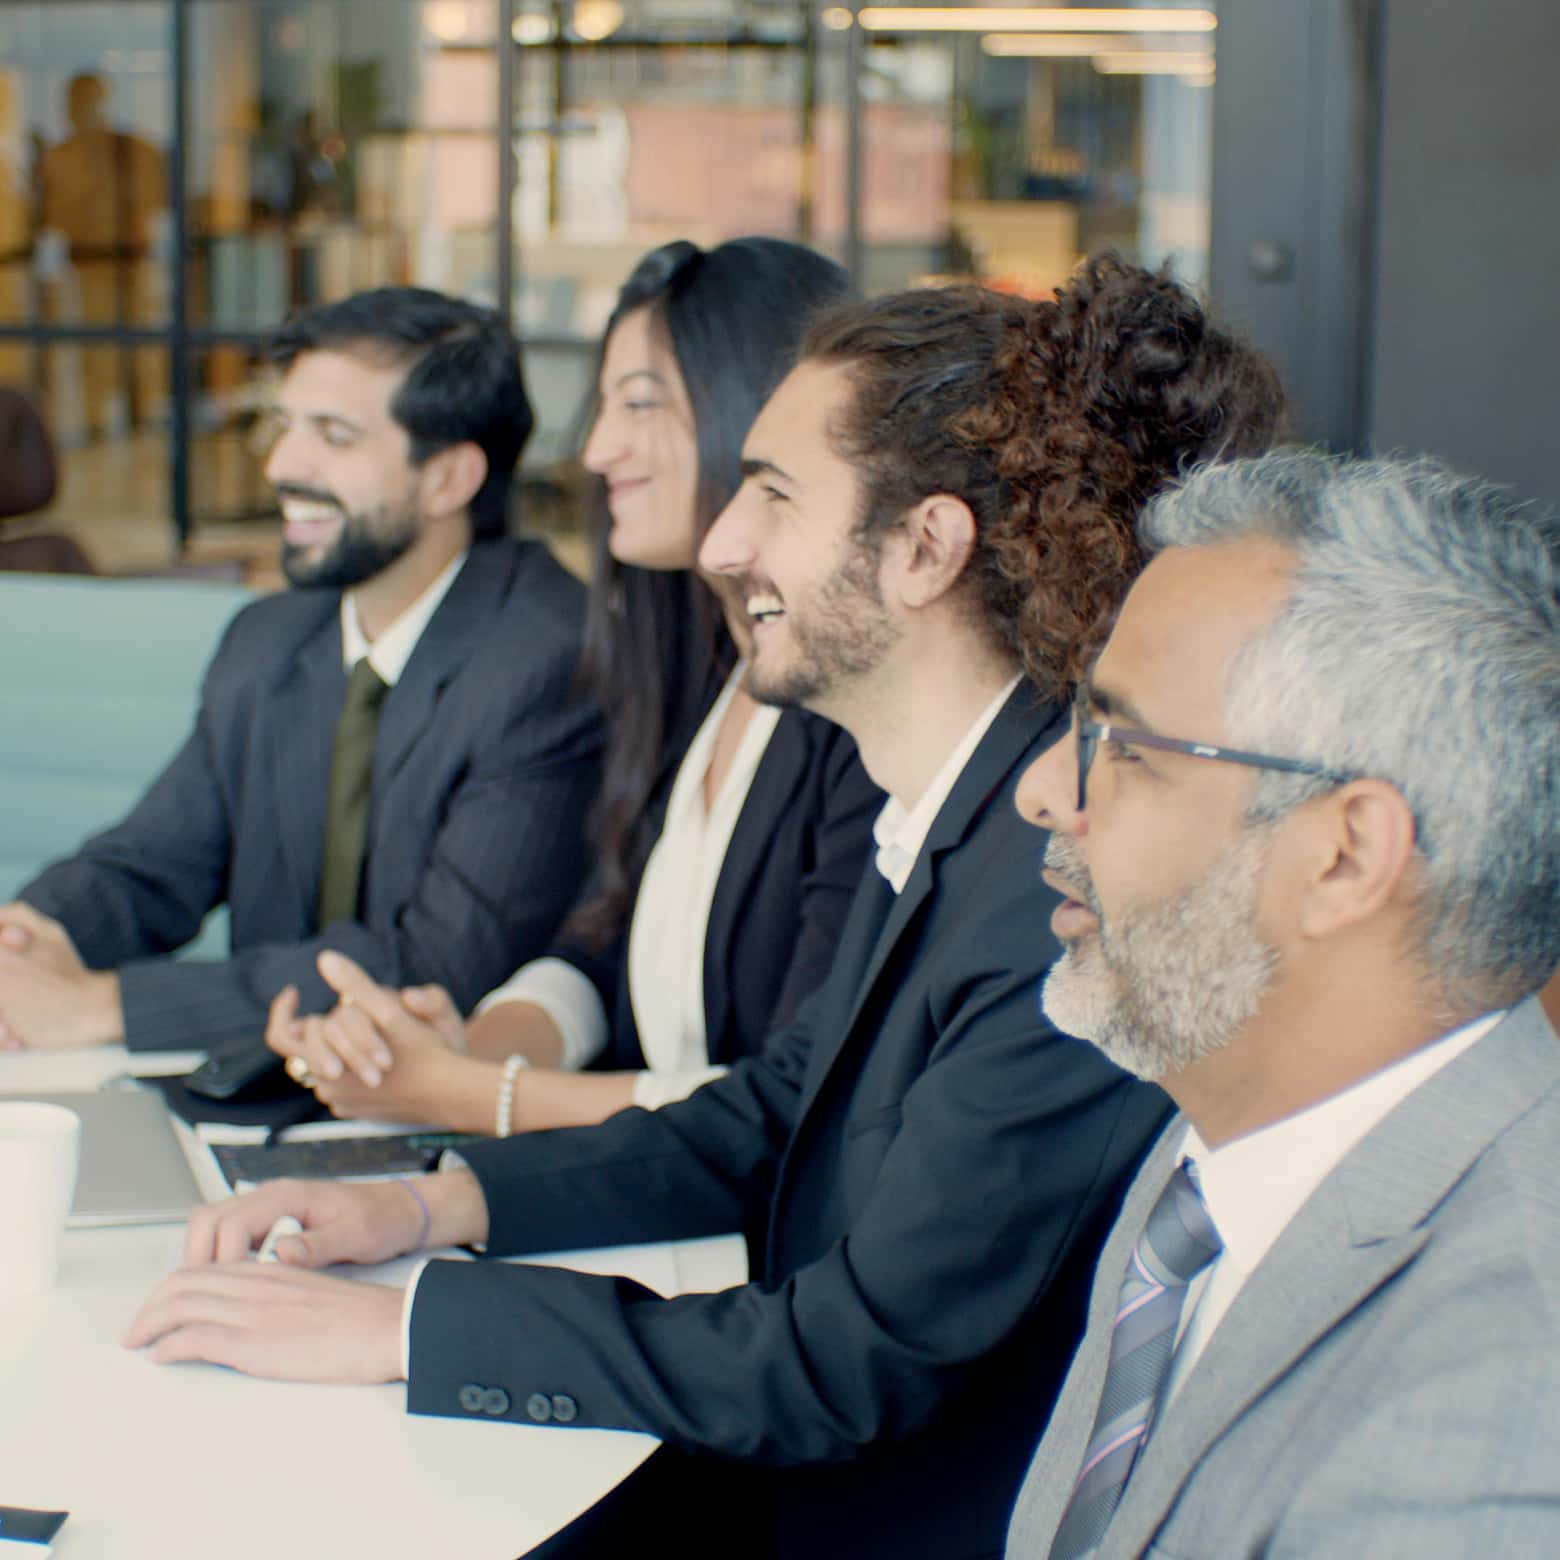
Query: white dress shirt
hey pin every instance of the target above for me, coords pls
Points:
(901, 831)
(672, 911)
(1256, 1184)
(389, 653)
(668, 927)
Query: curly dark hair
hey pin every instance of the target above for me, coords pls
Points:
(1055, 421)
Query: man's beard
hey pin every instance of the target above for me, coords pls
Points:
(366, 545)
(838, 631)
(1169, 984)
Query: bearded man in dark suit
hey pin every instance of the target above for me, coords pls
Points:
(398, 421)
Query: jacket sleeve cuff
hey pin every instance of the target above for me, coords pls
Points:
(568, 998)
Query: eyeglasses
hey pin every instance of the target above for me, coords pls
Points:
(1090, 733)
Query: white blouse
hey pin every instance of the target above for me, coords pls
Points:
(668, 928)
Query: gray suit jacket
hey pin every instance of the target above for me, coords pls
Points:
(1387, 1382)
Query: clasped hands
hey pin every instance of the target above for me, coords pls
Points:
(380, 1052)
(281, 1320)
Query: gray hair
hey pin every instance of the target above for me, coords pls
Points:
(1420, 645)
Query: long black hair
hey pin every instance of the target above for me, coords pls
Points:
(656, 645)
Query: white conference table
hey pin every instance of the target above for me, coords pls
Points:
(185, 1461)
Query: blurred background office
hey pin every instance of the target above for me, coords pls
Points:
(1369, 187)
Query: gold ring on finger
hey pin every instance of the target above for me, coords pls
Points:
(298, 1070)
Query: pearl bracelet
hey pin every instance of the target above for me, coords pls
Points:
(506, 1094)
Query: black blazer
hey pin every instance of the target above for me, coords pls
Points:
(790, 871)
(484, 767)
(925, 1169)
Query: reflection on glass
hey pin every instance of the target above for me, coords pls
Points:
(233, 389)
(16, 222)
(660, 133)
(1055, 146)
(103, 197)
(980, 154)
(84, 207)
(338, 147)
(341, 144)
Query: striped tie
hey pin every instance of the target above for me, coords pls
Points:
(1177, 1244)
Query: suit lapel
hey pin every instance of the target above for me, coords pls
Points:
(1366, 1222)
(304, 707)
(773, 792)
(453, 631)
(1019, 726)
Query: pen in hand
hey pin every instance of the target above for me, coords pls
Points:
(284, 1226)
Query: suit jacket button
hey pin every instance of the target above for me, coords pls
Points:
(495, 1401)
(471, 1396)
(564, 1409)
(539, 1407)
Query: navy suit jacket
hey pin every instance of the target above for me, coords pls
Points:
(925, 1170)
(484, 767)
(790, 872)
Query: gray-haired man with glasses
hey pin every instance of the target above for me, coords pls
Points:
(1326, 1322)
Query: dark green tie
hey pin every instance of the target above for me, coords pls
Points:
(346, 809)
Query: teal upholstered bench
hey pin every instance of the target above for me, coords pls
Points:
(98, 687)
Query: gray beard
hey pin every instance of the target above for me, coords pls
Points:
(1171, 984)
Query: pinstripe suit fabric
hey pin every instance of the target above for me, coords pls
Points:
(484, 767)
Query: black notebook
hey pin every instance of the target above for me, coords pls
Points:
(337, 1158)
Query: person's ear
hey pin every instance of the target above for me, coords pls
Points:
(1360, 842)
(934, 544)
(450, 479)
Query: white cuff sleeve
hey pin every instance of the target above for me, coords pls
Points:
(652, 1090)
(567, 998)
(406, 1318)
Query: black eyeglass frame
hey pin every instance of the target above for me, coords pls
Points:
(1088, 734)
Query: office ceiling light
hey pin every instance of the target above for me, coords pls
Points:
(1154, 62)
(597, 19)
(447, 20)
(531, 27)
(1036, 19)
(838, 18)
(1055, 46)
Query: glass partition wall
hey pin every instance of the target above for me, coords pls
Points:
(176, 175)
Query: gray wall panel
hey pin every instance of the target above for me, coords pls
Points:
(1467, 295)
(1292, 163)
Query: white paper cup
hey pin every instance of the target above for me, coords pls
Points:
(40, 1146)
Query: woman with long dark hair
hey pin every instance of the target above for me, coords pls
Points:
(729, 836)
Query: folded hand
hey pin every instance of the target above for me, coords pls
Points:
(48, 997)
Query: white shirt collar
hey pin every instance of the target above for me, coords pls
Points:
(389, 653)
(901, 831)
(1256, 1184)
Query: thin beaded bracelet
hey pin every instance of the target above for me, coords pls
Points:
(427, 1216)
(506, 1094)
